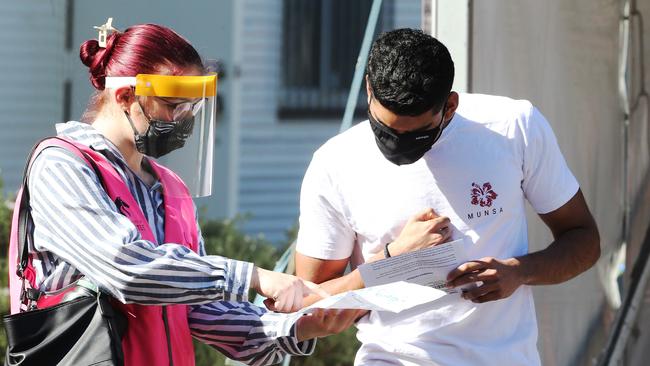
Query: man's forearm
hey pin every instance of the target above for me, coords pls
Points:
(572, 253)
(349, 282)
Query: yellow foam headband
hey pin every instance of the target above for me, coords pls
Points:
(171, 86)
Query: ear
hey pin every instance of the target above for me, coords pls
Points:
(368, 89)
(124, 97)
(452, 105)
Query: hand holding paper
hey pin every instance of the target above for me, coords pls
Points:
(426, 267)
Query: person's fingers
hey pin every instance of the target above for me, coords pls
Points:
(424, 215)
(318, 313)
(480, 291)
(464, 268)
(298, 294)
(463, 280)
(279, 306)
(280, 301)
(439, 223)
(352, 319)
(270, 304)
(349, 317)
(492, 296)
(361, 314)
(443, 234)
(289, 298)
(344, 320)
(487, 275)
(311, 287)
(332, 319)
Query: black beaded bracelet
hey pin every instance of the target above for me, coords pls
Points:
(386, 252)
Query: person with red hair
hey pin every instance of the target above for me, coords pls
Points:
(105, 208)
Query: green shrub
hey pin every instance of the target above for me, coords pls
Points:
(223, 237)
(335, 350)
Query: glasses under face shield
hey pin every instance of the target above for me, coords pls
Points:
(171, 109)
(181, 111)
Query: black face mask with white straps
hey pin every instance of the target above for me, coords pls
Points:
(407, 147)
(162, 137)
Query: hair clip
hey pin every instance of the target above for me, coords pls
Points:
(103, 32)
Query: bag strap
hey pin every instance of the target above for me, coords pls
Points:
(30, 295)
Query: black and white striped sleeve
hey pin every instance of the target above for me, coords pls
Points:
(247, 333)
(84, 228)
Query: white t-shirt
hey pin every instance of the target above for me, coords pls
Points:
(353, 201)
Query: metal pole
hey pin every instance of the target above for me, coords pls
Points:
(359, 70)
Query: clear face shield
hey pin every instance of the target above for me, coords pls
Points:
(181, 112)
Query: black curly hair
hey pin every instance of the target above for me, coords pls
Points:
(410, 72)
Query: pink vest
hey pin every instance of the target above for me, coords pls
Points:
(145, 341)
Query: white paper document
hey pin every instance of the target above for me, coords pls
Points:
(402, 282)
(426, 267)
(394, 297)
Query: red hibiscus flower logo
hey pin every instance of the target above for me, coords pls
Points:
(483, 196)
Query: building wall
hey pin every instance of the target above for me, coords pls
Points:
(260, 160)
(274, 154)
(562, 56)
(35, 62)
(31, 70)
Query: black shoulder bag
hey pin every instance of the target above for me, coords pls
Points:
(81, 331)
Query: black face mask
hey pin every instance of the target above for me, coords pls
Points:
(407, 147)
(162, 137)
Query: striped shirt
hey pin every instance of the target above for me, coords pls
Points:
(78, 231)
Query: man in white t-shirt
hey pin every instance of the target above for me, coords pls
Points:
(470, 162)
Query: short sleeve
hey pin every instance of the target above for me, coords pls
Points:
(548, 183)
(324, 231)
